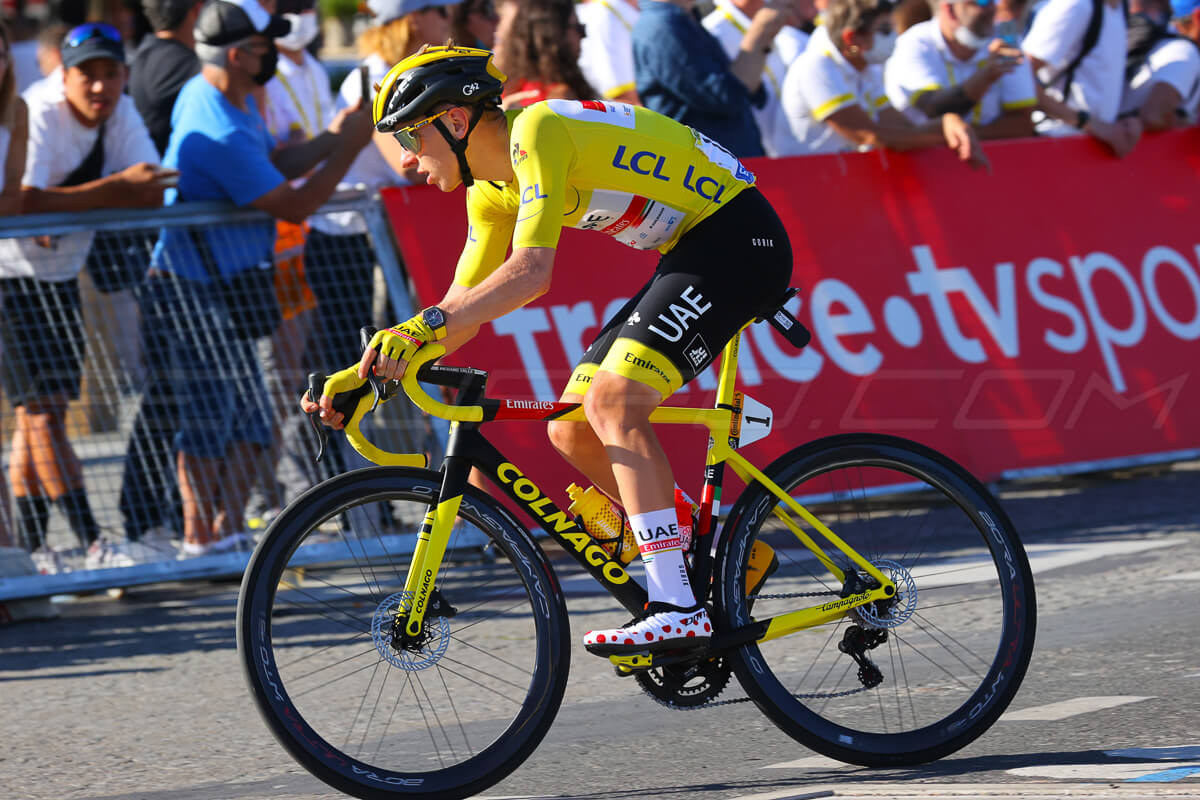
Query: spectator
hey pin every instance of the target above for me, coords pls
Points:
(160, 67)
(24, 59)
(473, 23)
(683, 73)
(1078, 58)
(792, 39)
(540, 53)
(1164, 87)
(835, 99)
(163, 64)
(606, 53)
(729, 22)
(299, 106)
(88, 149)
(953, 64)
(49, 61)
(221, 148)
(908, 13)
(14, 126)
(1012, 21)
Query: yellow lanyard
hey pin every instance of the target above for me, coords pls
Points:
(766, 65)
(309, 129)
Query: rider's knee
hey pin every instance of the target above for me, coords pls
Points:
(615, 403)
(566, 436)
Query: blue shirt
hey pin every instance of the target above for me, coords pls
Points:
(682, 72)
(222, 153)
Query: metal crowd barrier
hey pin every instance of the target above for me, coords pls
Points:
(160, 368)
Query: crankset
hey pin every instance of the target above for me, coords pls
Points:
(686, 684)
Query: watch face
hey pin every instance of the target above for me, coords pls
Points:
(434, 317)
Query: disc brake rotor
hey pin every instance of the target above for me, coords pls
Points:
(414, 656)
(896, 610)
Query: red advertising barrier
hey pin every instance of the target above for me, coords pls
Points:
(1040, 316)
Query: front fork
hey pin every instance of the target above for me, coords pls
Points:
(430, 549)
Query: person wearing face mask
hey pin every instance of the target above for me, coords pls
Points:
(834, 97)
(223, 152)
(953, 63)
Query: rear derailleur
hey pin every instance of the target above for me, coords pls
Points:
(855, 643)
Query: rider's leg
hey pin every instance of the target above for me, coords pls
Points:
(582, 448)
(618, 409)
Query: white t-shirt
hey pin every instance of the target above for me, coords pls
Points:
(298, 99)
(370, 169)
(58, 143)
(1172, 61)
(606, 53)
(790, 43)
(1056, 38)
(728, 24)
(820, 83)
(922, 62)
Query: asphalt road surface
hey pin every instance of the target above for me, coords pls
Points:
(144, 698)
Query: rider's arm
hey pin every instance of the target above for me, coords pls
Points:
(523, 277)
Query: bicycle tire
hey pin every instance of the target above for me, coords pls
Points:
(449, 724)
(967, 638)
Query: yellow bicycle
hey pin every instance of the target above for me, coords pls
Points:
(870, 595)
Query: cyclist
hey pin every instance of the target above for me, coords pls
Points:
(645, 180)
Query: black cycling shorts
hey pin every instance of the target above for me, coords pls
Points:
(730, 268)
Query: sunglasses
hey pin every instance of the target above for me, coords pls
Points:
(407, 137)
(78, 35)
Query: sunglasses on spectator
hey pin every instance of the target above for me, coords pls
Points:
(78, 35)
(407, 137)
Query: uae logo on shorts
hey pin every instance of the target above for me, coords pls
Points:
(697, 353)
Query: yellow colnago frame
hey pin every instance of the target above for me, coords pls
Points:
(435, 531)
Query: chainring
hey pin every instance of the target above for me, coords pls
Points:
(686, 685)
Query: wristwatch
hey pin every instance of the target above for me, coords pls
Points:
(435, 319)
(1082, 121)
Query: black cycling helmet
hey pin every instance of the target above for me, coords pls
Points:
(436, 76)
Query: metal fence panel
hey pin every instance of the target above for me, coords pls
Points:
(140, 402)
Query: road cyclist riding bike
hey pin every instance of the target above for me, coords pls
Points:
(637, 176)
(404, 634)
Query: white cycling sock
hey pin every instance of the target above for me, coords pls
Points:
(657, 535)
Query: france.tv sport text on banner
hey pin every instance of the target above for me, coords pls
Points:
(1045, 314)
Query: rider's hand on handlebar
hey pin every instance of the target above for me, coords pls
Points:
(342, 381)
(389, 351)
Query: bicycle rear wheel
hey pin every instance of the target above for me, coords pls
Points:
(952, 648)
(445, 716)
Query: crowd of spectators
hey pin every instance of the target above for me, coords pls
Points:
(227, 100)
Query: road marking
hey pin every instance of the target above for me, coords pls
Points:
(1183, 576)
(1179, 753)
(1070, 708)
(1005, 791)
(1101, 772)
(1173, 774)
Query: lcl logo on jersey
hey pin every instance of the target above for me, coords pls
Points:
(531, 193)
(692, 306)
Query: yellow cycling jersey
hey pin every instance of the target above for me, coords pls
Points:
(642, 178)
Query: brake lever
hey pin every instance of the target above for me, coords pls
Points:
(365, 334)
(316, 385)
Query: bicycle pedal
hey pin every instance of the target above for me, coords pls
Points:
(629, 663)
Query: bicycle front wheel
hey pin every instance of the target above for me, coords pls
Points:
(443, 716)
(946, 655)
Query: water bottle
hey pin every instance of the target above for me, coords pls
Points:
(603, 522)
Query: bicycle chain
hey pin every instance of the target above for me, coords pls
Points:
(810, 696)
